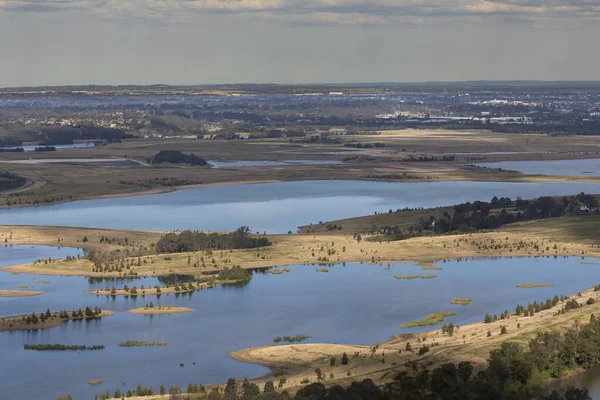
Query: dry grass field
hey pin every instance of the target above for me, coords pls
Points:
(548, 238)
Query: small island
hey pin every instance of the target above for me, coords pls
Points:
(50, 319)
(427, 276)
(463, 301)
(431, 319)
(19, 293)
(157, 310)
(533, 285)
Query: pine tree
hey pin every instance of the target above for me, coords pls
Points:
(344, 359)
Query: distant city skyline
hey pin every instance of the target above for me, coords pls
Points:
(187, 42)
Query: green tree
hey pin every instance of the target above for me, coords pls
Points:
(269, 387)
(344, 359)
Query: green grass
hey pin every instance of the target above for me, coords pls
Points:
(141, 343)
(533, 285)
(95, 382)
(463, 301)
(277, 271)
(428, 266)
(322, 270)
(431, 319)
(428, 276)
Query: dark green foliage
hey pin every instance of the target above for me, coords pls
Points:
(235, 273)
(188, 241)
(269, 387)
(488, 318)
(10, 181)
(424, 349)
(344, 359)
(177, 157)
(60, 347)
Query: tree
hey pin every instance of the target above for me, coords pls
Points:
(488, 318)
(269, 387)
(319, 374)
(332, 362)
(162, 389)
(344, 359)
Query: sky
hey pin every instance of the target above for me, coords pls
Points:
(179, 42)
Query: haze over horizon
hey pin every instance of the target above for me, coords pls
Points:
(187, 42)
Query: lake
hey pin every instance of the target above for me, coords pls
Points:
(583, 167)
(275, 207)
(356, 304)
(224, 164)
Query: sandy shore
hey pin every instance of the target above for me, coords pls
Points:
(160, 310)
(469, 343)
(19, 293)
(143, 192)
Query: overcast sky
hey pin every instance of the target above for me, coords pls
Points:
(66, 42)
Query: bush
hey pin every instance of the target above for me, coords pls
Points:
(177, 157)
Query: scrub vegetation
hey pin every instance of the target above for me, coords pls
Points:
(431, 319)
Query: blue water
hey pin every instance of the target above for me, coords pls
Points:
(356, 303)
(274, 207)
(584, 167)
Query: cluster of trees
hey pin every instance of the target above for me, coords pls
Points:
(87, 313)
(9, 181)
(235, 273)
(507, 376)
(67, 135)
(12, 150)
(177, 157)
(45, 148)
(360, 145)
(291, 339)
(476, 215)
(164, 181)
(60, 347)
(188, 241)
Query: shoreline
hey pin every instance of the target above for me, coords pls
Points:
(160, 310)
(296, 250)
(20, 293)
(468, 344)
(144, 192)
(520, 179)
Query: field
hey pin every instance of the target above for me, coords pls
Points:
(78, 178)
(538, 239)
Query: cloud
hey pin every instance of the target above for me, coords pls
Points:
(328, 12)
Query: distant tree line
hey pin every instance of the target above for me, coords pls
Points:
(478, 215)
(188, 241)
(360, 145)
(61, 347)
(67, 135)
(177, 157)
(45, 148)
(12, 150)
